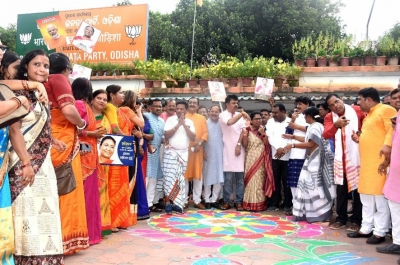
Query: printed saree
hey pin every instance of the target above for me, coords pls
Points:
(258, 179)
(38, 237)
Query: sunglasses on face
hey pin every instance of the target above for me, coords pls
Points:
(3, 48)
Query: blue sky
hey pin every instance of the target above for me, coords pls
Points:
(354, 15)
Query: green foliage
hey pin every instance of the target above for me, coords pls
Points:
(395, 32)
(239, 28)
(368, 47)
(336, 55)
(8, 36)
(321, 53)
(124, 3)
(387, 46)
(356, 52)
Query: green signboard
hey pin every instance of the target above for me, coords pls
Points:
(28, 34)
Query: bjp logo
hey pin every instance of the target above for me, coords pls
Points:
(133, 32)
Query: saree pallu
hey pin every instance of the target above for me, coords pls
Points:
(316, 190)
(72, 205)
(105, 213)
(123, 213)
(174, 168)
(38, 237)
(6, 224)
(259, 179)
(90, 171)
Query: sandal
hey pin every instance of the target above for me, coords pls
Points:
(114, 230)
(155, 209)
(353, 227)
(337, 226)
(226, 206)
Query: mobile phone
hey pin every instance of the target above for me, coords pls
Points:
(85, 147)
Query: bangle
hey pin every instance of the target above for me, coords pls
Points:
(82, 133)
(26, 165)
(28, 160)
(19, 103)
(83, 127)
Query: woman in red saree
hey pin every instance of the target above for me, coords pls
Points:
(99, 104)
(258, 176)
(65, 120)
(82, 90)
(123, 214)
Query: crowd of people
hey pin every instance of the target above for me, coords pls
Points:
(57, 198)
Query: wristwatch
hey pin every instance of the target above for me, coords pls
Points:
(239, 144)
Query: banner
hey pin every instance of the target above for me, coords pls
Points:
(263, 88)
(80, 71)
(116, 150)
(123, 35)
(86, 37)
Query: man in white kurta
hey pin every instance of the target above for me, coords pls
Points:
(232, 123)
(179, 131)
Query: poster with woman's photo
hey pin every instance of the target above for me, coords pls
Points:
(116, 150)
(217, 91)
(86, 37)
(80, 71)
(263, 88)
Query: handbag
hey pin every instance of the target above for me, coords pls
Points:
(66, 182)
(6, 94)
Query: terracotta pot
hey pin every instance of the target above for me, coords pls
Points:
(247, 81)
(333, 63)
(299, 62)
(203, 82)
(356, 61)
(157, 83)
(380, 60)
(169, 83)
(135, 72)
(148, 83)
(310, 62)
(182, 83)
(393, 60)
(233, 82)
(192, 83)
(345, 61)
(293, 82)
(369, 60)
(322, 62)
(278, 81)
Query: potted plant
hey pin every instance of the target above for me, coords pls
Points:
(311, 54)
(383, 49)
(294, 72)
(144, 69)
(180, 72)
(369, 53)
(247, 71)
(344, 46)
(299, 51)
(355, 55)
(322, 58)
(335, 57)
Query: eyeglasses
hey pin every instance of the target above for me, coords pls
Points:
(3, 49)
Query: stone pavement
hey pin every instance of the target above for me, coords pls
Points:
(230, 237)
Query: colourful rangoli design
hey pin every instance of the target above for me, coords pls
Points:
(226, 225)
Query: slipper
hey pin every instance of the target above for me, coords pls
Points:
(337, 226)
(155, 209)
(114, 230)
(353, 227)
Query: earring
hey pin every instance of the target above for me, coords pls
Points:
(26, 74)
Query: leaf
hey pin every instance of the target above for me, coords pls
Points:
(230, 249)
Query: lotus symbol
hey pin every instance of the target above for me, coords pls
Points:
(25, 38)
(133, 32)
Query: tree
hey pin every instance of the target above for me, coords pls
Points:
(124, 3)
(395, 31)
(9, 35)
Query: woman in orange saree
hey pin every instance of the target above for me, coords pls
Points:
(123, 214)
(82, 90)
(258, 176)
(64, 122)
(99, 104)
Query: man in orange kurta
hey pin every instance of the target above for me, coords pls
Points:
(375, 144)
(196, 152)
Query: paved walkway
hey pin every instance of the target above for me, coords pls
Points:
(230, 237)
